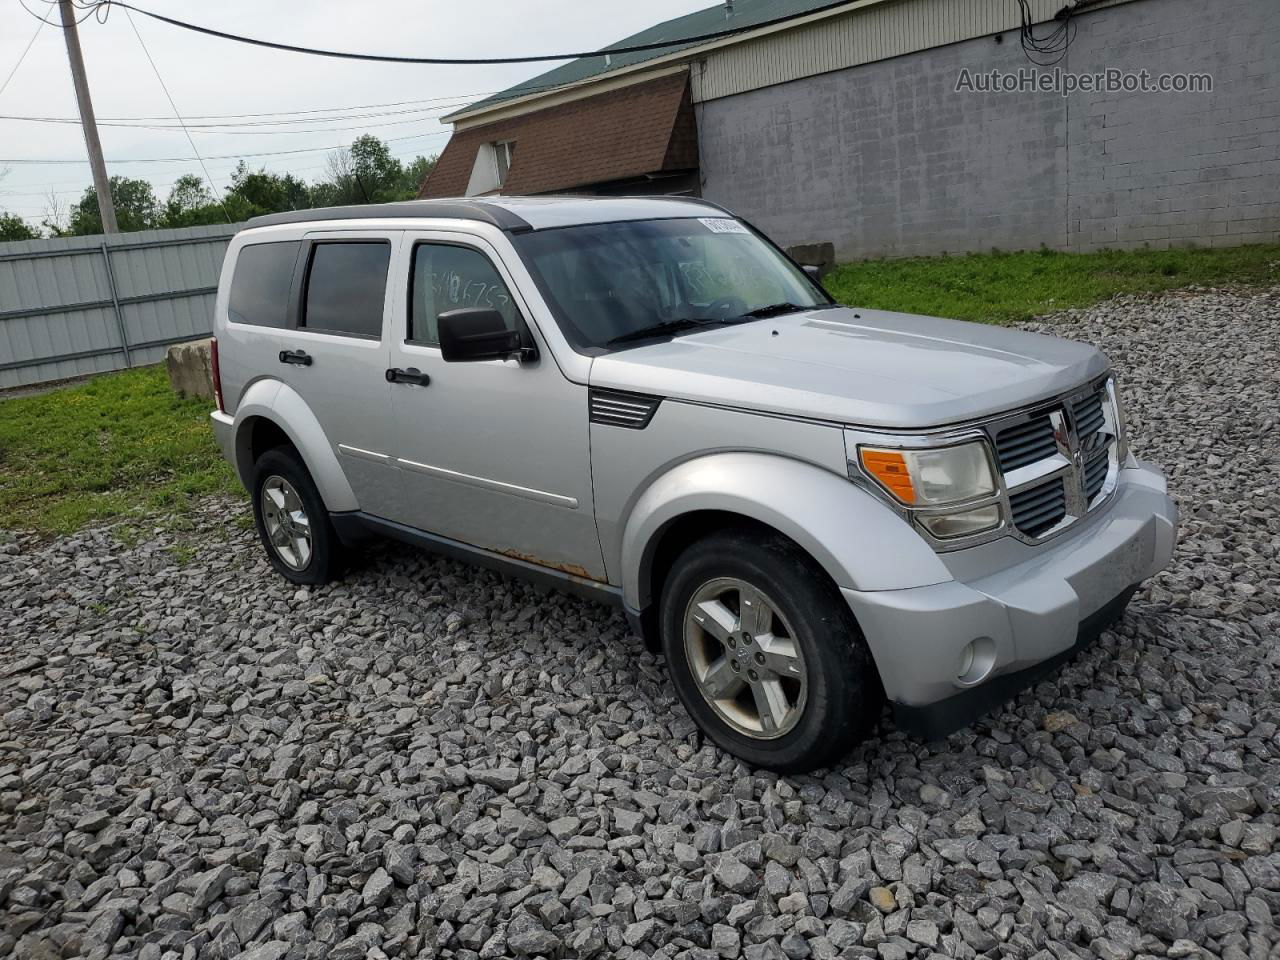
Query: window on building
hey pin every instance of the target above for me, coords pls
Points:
(504, 152)
(492, 163)
(346, 288)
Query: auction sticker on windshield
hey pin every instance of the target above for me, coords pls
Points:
(723, 225)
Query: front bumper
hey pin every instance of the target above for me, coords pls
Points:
(950, 651)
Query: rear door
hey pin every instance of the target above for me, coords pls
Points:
(334, 353)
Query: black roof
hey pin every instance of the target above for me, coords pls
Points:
(453, 209)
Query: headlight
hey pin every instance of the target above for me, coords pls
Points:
(948, 526)
(929, 477)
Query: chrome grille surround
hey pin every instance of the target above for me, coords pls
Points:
(1075, 462)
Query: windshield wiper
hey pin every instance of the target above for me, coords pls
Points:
(664, 327)
(777, 309)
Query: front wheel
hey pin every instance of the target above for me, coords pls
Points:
(765, 654)
(292, 521)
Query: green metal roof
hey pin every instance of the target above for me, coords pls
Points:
(745, 14)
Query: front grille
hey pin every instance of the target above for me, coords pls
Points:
(1040, 509)
(1095, 474)
(1087, 412)
(1025, 443)
(1070, 445)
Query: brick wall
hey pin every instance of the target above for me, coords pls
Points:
(642, 129)
(887, 159)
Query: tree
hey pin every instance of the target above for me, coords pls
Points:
(135, 202)
(55, 215)
(189, 203)
(416, 173)
(366, 172)
(264, 192)
(13, 227)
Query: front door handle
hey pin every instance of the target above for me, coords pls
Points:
(411, 375)
(300, 357)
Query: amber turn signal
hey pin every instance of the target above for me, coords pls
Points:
(890, 468)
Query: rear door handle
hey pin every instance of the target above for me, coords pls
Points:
(411, 375)
(300, 357)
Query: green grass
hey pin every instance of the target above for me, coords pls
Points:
(120, 445)
(1009, 287)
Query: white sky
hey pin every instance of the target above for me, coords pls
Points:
(208, 76)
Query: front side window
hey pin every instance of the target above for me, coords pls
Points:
(260, 285)
(450, 277)
(346, 288)
(611, 280)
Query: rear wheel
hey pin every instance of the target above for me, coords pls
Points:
(765, 654)
(291, 518)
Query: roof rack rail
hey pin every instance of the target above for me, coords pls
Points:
(410, 209)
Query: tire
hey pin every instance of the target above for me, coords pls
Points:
(307, 559)
(812, 719)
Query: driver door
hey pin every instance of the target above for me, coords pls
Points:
(492, 453)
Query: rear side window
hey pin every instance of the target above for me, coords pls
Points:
(260, 286)
(346, 287)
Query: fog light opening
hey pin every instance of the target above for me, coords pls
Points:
(976, 660)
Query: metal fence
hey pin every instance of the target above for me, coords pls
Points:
(79, 305)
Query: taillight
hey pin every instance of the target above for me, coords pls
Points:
(217, 373)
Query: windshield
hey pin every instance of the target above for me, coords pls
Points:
(608, 283)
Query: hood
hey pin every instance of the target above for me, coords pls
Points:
(861, 367)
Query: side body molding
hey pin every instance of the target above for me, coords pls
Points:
(283, 406)
(859, 541)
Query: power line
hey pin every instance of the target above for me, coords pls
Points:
(148, 122)
(444, 103)
(1050, 49)
(474, 61)
(217, 129)
(216, 193)
(76, 187)
(228, 156)
(232, 160)
(22, 56)
(54, 23)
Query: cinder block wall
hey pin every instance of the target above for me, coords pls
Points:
(887, 159)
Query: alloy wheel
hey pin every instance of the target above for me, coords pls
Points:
(288, 526)
(744, 658)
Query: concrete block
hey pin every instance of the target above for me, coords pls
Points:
(820, 255)
(190, 367)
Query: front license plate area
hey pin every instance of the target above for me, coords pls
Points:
(1100, 583)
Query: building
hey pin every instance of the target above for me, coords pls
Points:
(868, 124)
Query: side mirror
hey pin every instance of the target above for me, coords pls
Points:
(813, 272)
(476, 333)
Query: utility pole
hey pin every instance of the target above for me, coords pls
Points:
(99, 166)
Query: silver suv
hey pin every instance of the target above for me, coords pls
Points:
(807, 508)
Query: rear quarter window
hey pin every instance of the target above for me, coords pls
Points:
(260, 285)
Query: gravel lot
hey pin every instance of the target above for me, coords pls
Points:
(198, 761)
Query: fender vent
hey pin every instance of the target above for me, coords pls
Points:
(615, 408)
